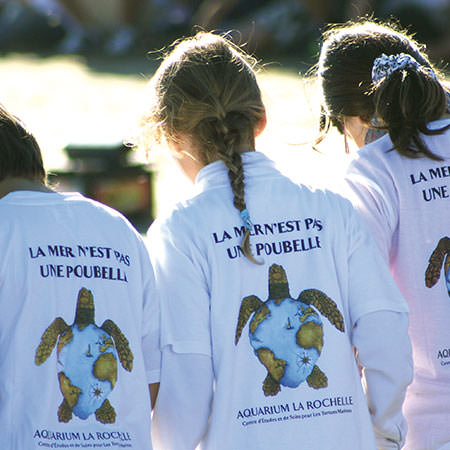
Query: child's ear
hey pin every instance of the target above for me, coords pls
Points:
(174, 146)
(261, 125)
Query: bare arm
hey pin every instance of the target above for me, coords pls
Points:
(154, 389)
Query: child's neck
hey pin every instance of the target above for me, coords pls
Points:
(12, 184)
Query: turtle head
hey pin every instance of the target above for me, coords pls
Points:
(85, 312)
(278, 284)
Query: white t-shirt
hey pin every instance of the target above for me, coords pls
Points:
(311, 397)
(79, 270)
(407, 205)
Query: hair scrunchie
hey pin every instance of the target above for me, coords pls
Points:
(385, 65)
(245, 216)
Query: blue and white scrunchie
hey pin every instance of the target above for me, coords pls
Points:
(385, 65)
(245, 216)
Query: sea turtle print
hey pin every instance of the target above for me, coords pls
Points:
(287, 334)
(88, 357)
(433, 271)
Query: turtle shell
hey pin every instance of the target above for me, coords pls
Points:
(292, 333)
(88, 360)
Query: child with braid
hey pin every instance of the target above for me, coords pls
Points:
(266, 286)
(377, 80)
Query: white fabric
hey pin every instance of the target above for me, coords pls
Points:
(407, 205)
(188, 376)
(384, 398)
(52, 246)
(202, 278)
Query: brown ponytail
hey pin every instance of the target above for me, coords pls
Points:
(406, 102)
(403, 103)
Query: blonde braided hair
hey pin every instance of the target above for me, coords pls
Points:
(206, 89)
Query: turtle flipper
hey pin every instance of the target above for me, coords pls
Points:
(275, 368)
(317, 379)
(48, 340)
(64, 412)
(433, 271)
(121, 342)
(106, 413)
(248, 306)
(271, 386)
(71, 394)
(325, 305)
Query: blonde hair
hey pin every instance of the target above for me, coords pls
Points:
(206, 88)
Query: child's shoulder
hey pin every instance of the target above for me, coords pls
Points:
(325, 197)
(176, 216)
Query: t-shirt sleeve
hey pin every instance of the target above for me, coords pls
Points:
(151, 340)
(150, 320)
(183, 406)
(371, 286)
(373, 193)
(384, 352)
(182, 290)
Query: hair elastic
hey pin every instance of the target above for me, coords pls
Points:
(385, 65)
(245, 216)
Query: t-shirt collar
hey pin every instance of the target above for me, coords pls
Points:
(24, 197)
(216, 174)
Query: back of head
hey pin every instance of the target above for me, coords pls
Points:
(20, 155)
(206, 89)
(403, 101)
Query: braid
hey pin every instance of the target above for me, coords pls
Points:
(233, 161)
(229, 137)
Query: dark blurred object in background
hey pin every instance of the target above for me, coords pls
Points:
(106, 174)
(429, 20)
(25, 28)
(105, 27)
(269, 27)
(293, 27)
